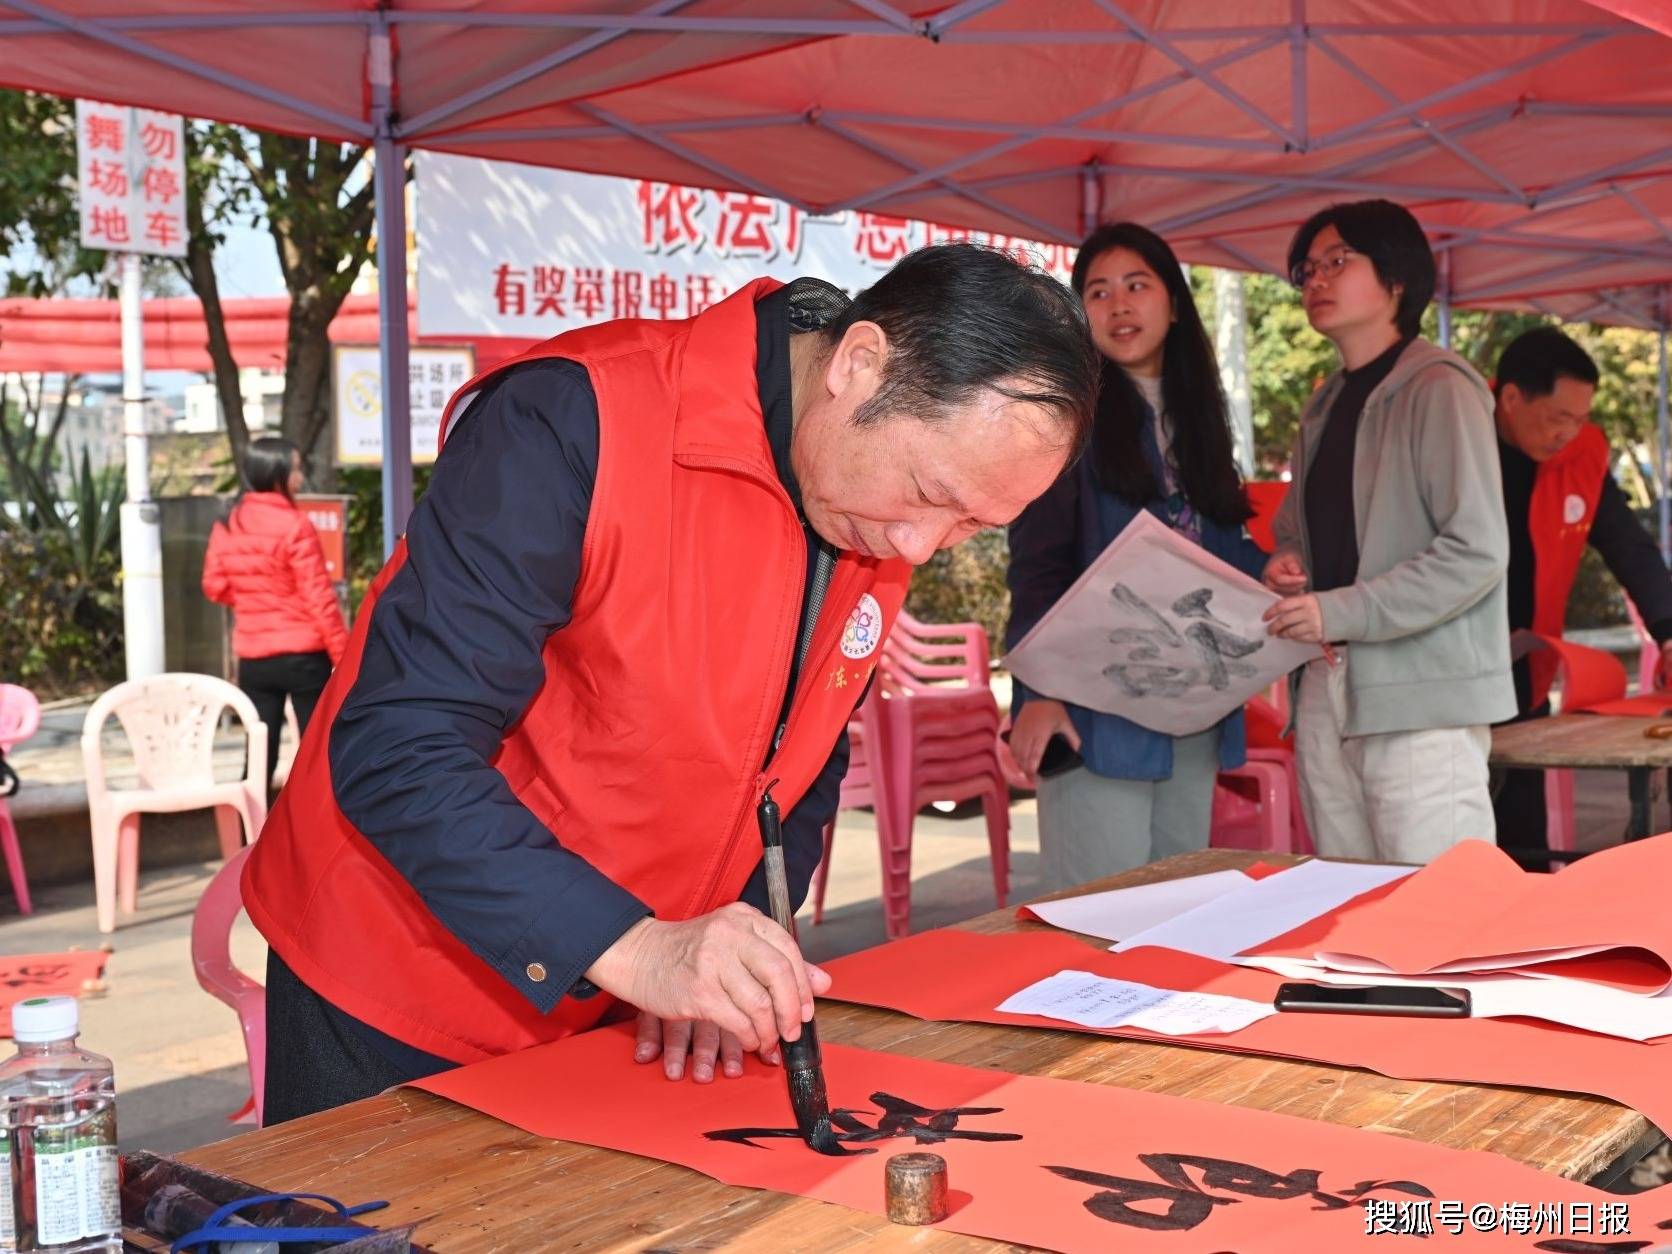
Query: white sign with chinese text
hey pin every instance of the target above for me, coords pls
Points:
(514, 250)
(1159, 631)
(131, 167)
(433, 375)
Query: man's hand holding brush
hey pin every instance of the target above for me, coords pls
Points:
(711, 988)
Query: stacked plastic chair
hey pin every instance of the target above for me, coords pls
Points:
(1257, 805)
(20, 716)
(927, 733)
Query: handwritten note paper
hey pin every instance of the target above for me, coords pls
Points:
(1095, 1001)
(1159, 631)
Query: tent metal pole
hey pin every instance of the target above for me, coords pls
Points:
(390, 174)
(1665, 428)
(1443, 305)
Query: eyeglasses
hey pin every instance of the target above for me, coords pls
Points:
(1327, 267)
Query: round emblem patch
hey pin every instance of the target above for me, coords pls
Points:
(864, 630)
(1573, 509)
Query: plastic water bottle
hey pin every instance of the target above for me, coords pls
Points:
(58, 1168)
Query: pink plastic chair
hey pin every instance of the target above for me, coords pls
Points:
(1251, 809)
(1559, 822)
(932, 736)
(1648, 652)
(170, 721)
(20, 717)
(217, 910)
(861, 788)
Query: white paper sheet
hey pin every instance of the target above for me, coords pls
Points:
(1122, 912)
(1576, 1003)
(1097, 1002)
(1266, 908)
(1159, 631)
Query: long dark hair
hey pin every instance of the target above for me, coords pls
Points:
(267, 464)
(1190, 393)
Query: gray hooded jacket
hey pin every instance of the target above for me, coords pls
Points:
(1427, 619)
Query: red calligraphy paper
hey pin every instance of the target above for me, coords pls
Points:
(961, 976)
(23, 976)
(1474, 908)
(1052, 1163)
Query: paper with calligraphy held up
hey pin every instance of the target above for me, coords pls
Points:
(1158, 631)
(956, 976)
(1050, 1163)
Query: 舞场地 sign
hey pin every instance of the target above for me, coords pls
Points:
(131, 166)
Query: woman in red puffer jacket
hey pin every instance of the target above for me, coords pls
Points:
(265, 562)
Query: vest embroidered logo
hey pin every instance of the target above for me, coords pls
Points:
(1573, 508)
(864, 630)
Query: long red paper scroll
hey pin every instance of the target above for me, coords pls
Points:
(23, 976)
(1054, 1163)
(961, 976)
(1473, 905)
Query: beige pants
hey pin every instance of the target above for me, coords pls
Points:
(1393, 796)
(1091, 826)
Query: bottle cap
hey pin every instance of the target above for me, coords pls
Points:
(45, 1019)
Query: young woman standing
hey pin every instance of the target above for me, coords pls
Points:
(1161, 443)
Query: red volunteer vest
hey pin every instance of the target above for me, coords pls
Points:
(1565, 495)
(642, 751)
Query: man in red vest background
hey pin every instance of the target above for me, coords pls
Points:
(1559, 497)
(644, 591)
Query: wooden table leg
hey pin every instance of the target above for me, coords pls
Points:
(1637, 781)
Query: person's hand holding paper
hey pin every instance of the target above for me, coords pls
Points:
(1160, 632)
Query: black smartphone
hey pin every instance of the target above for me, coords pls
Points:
(1378, 999)
(1059, 756)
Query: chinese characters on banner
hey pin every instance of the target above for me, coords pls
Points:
(433, 375)
(512, 250)
(132, 173)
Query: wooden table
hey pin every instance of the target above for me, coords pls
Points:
(478, 1185)
(1588, 742)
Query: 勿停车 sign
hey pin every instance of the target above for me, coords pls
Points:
(131, 179)
(515, 250)
(433, 375)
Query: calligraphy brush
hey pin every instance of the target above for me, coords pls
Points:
(803, 1064)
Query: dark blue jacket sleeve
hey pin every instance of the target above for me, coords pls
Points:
(1633, 558)
(1044, 561)
(804, 834)
(452, 660)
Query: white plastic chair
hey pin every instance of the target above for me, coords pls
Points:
(170, 721)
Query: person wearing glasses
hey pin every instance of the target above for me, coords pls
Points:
(1391, 551)
(266, 563)
(1114, 795)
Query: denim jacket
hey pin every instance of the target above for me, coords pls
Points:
(1051, 544)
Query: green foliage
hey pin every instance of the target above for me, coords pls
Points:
(38, 214)
(73, 640)
(364, 542)
(966, 584)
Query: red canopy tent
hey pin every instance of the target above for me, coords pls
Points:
(85, 336)
(1532, 137)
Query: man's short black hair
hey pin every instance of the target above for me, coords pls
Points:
(1535, 359)
(1392, 239)
(961, 319)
